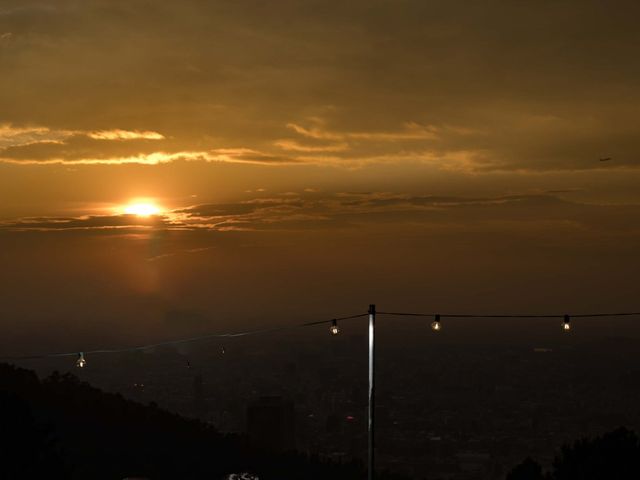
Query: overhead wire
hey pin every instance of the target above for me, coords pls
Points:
(151, 346)
(333, 329)
(534, 315)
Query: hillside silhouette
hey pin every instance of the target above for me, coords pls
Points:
(62, 428)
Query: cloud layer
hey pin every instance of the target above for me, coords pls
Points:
(317, 211)
(502, 87)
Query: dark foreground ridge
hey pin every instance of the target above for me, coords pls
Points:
(62, 428)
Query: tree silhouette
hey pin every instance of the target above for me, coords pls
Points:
(527, 470)
(27, 448)
(612, 456)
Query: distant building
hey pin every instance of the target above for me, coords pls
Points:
(199, 404)
(271, 423)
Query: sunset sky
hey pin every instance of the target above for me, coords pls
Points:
(177, 167)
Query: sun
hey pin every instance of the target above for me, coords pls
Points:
(142, 209)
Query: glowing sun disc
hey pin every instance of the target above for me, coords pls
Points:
(142, 209)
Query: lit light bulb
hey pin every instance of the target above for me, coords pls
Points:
(334, 329)
(81, 362)
(566, 326)
(436, 326)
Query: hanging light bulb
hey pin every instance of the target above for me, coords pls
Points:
(436, 326)
(334, 329)
(565, 324)
(81, 362)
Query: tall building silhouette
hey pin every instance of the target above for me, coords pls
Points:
(199, 404)
(271, 423)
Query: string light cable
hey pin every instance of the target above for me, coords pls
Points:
(501, 315)
(81, 356)
(436, 326)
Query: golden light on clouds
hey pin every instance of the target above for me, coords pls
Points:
(119, 134)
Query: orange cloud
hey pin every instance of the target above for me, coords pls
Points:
(118, 134)
(225, 155)
(294, 146)
(411, 131)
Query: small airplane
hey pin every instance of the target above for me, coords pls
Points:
(605, 159)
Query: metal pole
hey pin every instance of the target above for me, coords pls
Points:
(372, 397)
